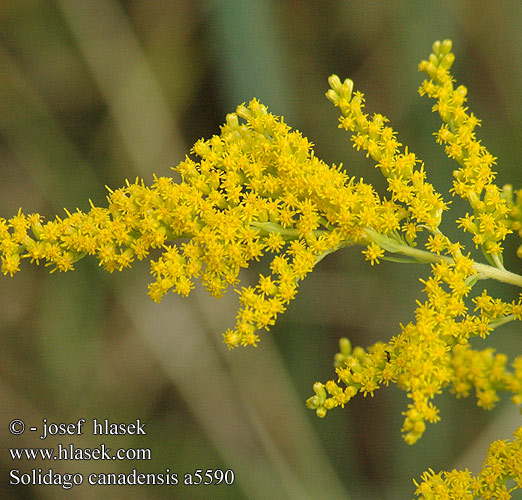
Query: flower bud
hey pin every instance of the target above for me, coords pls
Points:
(232, 120)
(320, 391)
(345, 346)
(447, 61)
(445, 47)
(335, 83)
(346, 89)
(333, 96)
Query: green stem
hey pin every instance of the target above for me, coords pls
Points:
(484, 271)
(501, 321)
(398, 246)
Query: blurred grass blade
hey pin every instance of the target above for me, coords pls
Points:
(124, 77)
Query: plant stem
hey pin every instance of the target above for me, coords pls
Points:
(398, 246)
(485, 271)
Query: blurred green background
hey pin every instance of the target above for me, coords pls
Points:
(93, 92)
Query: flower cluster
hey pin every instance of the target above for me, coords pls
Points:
(501, 474)
(432, 352)
(257, 189)
(474, 179)
(420, 205)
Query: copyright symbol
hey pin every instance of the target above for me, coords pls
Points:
(16, 427)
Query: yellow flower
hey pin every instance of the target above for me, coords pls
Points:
(373, 253)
